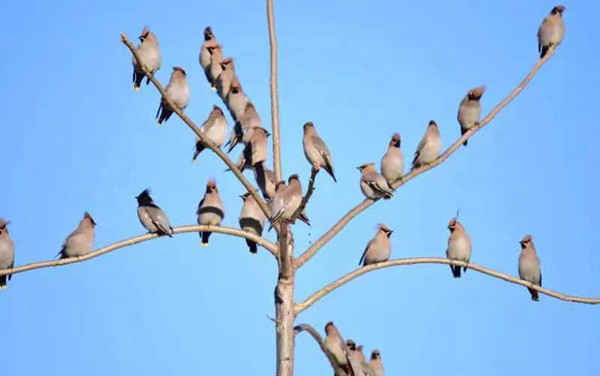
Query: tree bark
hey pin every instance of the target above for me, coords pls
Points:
(284, 304)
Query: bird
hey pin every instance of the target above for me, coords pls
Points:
(210, 210)
(149, 53)
(335, 345)
(214, 129)
(236, 99)
(529, 266)
(379, 248)
(7, 252)
(459, 246)
(469, 110)
(258, 145)
(375, 363)
(178, 91)
(265, 179)
(152, 217)
(216, 57)
(286, 200)
(315, 150)
(80, 241)
(429, 147)
(225, 78)
(252, 219)
(551, 31)
(392, 162)
(357, 359)
(372, 184)
(209, 41)
(244, 126)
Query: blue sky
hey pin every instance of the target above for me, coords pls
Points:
(76, 137)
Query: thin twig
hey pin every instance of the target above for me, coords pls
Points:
(272, 248)
(325, 238)
(435, 260)
(205, 141)
(309, 192)
(317, 337)
(274, 96)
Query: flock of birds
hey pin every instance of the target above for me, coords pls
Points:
(285, 198)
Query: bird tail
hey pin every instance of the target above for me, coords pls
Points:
(163, 114)
(455, 270)
(544, 51)
(205, 235)
(466, 142)
(137, 80)
(304, 218)
(534, 294)
(330, 172)
(252, 246)
(199, 149)
(2, 281)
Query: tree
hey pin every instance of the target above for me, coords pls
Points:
(286, 307)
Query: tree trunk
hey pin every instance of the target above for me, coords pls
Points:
(284, 304)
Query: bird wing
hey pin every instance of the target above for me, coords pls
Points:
(362, 258)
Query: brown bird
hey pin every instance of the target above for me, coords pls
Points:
(178, 90)
(372, 184)
(379, 248)
(334, 343)
(216, 57)
(459, 246)
(236, 99)
(529, 265)
(252, 219)
(80, 241)
(209, 41)
(392, 163)
(150, 55)
(210, 210)
(7, 252)
(225, 78)
(551, 31)
(429, 147)
(469, 110)
(316, 151)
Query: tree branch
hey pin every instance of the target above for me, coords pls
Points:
(435, 260)
(274, 96)
(272, 248)
(315, 334)
(325, 238)
(309, 192)
(205, 141)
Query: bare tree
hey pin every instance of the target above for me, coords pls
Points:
(286, 308)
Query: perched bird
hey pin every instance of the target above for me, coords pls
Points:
(316, 151)
(551, 31)
(459, 246)
(372, 184)
(252, 219)
(153, 218)
(334, 343)
(178, 91)
(265, 179)
(376, 364)
(392, 163)
(214, 128)
(225, 78)
(529, 266)
(379, 248)
(216, 57)
(236, 99)
(244, 126)
(209, 41)
(80, 241)
(7, 252)
(429, 147)
(150, 55)
(259, 145)
(210, 210)
(469, 110)
(357, 359)
(286, 201)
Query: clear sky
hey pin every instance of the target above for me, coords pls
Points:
(76, 137)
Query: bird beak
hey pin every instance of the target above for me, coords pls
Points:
(242, 197)
(141, 38)
(358, 168)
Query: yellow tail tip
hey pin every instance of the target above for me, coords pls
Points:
(136, 88)
(193, 161)
(2, 287)
(213, 88)
(203, 244)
